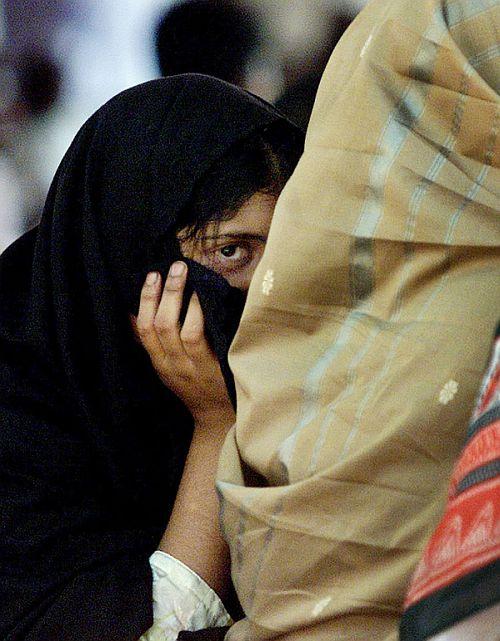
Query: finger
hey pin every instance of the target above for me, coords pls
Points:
(193, 330)
(133, 325)
(148, 306)
(167, 316)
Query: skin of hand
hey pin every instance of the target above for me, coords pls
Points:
(186, 364)
(181, 355)
(193, 535)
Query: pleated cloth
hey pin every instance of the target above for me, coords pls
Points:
(367, 326)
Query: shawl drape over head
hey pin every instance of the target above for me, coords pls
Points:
(91, 444)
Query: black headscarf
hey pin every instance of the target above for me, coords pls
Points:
(92, 445)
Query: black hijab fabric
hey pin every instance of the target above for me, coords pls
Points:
(91, 444)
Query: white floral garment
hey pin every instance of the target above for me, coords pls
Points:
(181, 600)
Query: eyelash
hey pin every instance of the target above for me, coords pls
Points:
(230, 263)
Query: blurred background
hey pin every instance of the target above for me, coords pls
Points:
(60, 60)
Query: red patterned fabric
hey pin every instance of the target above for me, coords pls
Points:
(459, 573)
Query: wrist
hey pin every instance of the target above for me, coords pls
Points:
(214, 418)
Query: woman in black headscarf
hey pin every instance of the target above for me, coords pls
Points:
(92, 443)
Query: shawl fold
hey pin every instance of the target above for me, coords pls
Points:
(366, 326)
(92, 445)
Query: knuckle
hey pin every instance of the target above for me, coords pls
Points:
(164, 325)
(173, 285)
(148, 295)
(191, 339)
(193, 335)
(143, 329)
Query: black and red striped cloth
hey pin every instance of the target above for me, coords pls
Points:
(459, 574)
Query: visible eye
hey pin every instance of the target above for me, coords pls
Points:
(234, 252)
(235, 261)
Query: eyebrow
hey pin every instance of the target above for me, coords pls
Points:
(239, 235)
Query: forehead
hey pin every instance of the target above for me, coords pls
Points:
(253, 217)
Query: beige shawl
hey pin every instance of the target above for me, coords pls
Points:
(367, 326)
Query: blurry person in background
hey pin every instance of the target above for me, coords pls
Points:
(11, 199)
(276, 54)
(39, 83)
(99, 48)
(31, 84)
(302, 76)
(36, 51)
(217, 38)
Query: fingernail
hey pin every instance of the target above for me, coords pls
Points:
(152, 278)
(177, 269)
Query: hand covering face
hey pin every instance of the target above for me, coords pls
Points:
(91, 444)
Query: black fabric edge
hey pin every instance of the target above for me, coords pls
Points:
(450, 605)
(207, 634)
(484, 420)
(479, 475)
